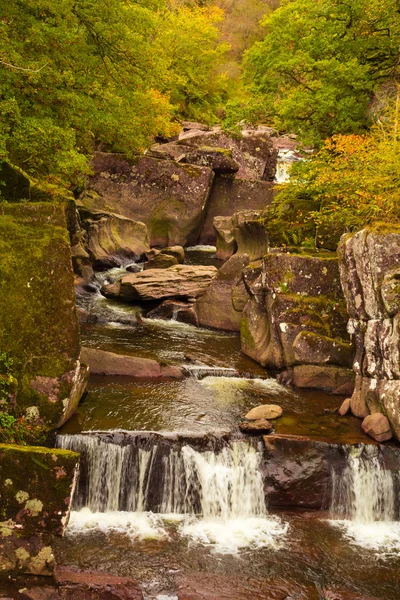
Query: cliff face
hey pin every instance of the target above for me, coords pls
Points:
(370, 275)
(38, 322)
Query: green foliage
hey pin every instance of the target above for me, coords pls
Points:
(353, 181)
(321, 60)
(190, 48)
(75, 74)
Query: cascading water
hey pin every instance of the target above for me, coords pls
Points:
(364, 499)
(217, 494)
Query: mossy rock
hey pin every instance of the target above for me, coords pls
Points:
(38, 322)
(36, 485)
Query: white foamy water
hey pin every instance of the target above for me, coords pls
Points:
(222, 385)
(216, 497)
(365, 495)
(380, 536)
(200, 248)
(230, 536)
(136, 525)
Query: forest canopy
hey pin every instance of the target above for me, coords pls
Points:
(116, 73)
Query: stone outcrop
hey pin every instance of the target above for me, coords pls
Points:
(113, 240)
(102, 362)
(370, 274)
(38, 320)
(180, 281)
(169, 197)
(218, 159)
(230, 195)
(295, 318)
(222, 304)
(160, 261)
(252, 149)
(36, 485)
(243, 233)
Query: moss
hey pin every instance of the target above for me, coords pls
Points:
(191, 170)
(225, 151)
(38, 323)
(246, 336)
(37, 497)
(383, 228)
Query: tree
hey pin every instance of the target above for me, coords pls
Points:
(76, 74)
(320, 61)
(352, 181)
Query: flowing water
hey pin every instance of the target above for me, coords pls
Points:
(366, 497)
(217, 495)
(167, 496)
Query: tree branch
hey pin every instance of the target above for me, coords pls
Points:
(22, 68)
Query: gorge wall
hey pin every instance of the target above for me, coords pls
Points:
(370, 274)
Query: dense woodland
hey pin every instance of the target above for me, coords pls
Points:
(76, 75)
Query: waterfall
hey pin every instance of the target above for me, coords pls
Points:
(365, 491)
(202, 371)
(217, 493)
(165, 479)
(364, 499)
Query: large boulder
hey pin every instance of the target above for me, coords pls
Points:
(295, 315)
(169, 197)
(370, 274)
(377, 426)
(220, 307)
(225, 240)
(112, 240)
(218, 159)
(252, 149)
(38, 320)
(230, 195)
(180, 281)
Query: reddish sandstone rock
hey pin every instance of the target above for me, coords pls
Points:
(257, 426)
(265, 411)
(107, 363)
(179, 281)
(377, 426)
(345, 407)
(169, 197)
(94, 585)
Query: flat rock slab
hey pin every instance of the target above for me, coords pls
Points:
(107, 363)
(179, 281)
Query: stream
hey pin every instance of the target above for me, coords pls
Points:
(172, 495)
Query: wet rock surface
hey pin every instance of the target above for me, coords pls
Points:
(265, 411)
(108, 363)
